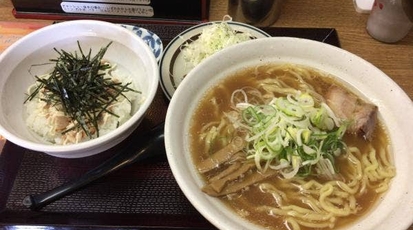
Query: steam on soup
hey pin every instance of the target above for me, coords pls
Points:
(287, 147)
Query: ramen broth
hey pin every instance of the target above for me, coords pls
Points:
(279, 203)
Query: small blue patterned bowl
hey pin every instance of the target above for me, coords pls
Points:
(150, 38)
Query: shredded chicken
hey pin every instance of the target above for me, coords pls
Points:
(53, 125)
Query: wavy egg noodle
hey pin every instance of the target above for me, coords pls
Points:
(259, 190)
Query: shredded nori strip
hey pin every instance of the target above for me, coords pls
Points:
(78, 86)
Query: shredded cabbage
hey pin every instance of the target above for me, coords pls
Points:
(212, 39)
(292, 134)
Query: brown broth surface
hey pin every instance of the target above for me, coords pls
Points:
(205, 113)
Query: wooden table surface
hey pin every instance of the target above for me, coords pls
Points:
(396, 60)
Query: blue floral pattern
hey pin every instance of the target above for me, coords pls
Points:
(150, 38)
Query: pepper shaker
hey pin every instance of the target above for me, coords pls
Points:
(390, 20)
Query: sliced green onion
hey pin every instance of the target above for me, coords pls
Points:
(292, 134)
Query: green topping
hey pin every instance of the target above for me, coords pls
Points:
(79, 87)
(293, 135)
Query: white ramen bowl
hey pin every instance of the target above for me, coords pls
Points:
(128, 51)
(393, 211)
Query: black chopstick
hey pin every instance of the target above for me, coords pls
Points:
(147, 145)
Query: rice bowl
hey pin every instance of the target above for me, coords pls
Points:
(128, 51)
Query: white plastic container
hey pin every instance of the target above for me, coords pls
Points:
(390, 20)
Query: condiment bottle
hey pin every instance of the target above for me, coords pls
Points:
(260, 13)
(390, 20)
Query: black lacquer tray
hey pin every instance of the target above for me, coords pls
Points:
(140, 196)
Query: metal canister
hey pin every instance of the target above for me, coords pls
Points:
(260, 13)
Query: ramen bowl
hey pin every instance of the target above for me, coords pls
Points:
(392, 210)
(26, 58)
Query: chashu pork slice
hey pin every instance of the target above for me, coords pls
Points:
(362, 116)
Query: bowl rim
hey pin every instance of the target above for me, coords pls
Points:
(187, 177)
(66, 150)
